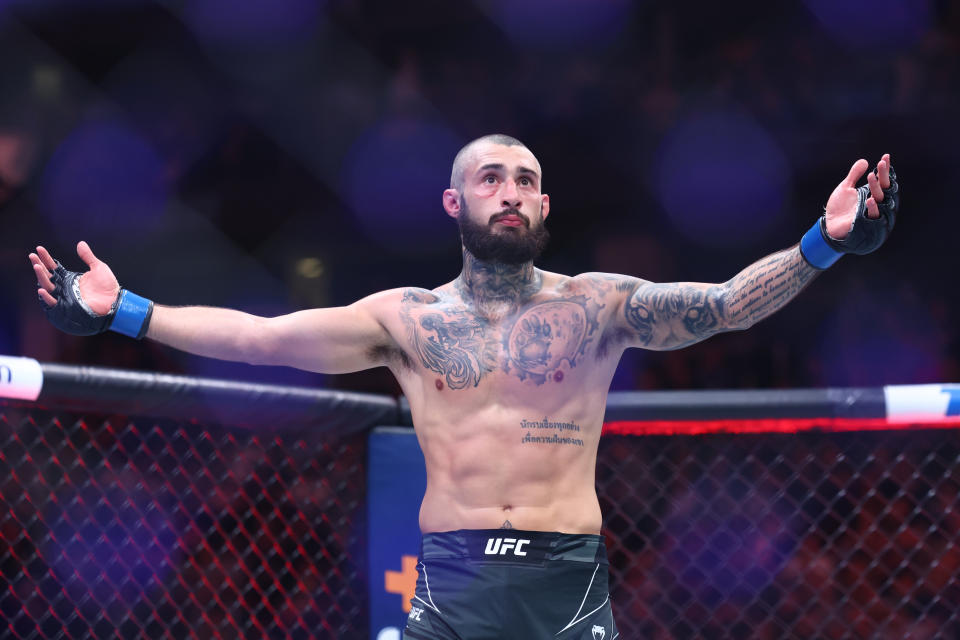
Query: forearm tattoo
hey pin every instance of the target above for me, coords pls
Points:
(766, 286)
(675, 315)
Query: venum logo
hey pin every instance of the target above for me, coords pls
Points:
(500, 546)
(598, 632)
(6, 374)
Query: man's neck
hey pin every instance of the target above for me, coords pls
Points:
(492, 286)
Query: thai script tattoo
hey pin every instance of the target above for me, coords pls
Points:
(546, 424)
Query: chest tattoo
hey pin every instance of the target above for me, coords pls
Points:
(549, 334)
(533, 344)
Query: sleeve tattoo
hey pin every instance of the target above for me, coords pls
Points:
(675, 315)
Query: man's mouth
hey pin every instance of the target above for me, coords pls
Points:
(511, 221)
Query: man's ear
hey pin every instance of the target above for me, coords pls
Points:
(451, 202)
(544, 206)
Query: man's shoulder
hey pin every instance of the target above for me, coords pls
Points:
(600, 282)
(394, 299)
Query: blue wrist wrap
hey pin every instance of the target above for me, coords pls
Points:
(132, 316)
(815, 249)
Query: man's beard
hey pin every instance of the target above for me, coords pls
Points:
(509, 245)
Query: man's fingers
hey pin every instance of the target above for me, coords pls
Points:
(856, 172)
(46, 259)
(86, 254)
(873, 212)
(43, 277)
(883, 169)
(48, 299)
(34, 259)
(876, 192)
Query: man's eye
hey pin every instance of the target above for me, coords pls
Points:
(525, 182)
(490, 179)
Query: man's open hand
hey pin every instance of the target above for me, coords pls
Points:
(842, 205)
(98, 286)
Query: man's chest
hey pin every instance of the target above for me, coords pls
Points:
(538, 342)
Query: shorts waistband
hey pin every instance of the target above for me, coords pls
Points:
(513, 546)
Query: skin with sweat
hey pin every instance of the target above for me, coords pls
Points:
(506, 367)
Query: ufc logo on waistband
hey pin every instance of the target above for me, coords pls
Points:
(500, 546)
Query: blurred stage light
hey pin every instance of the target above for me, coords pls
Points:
(560, 24)
(228, 22)
(72, 5)
(103, 181)
(47, 81)
(885, 23)
(310, 268)
(393, 177)
(722, 179)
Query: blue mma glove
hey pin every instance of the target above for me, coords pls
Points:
(129, 314)
(866, 235)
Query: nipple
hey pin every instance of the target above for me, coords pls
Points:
(439, 384)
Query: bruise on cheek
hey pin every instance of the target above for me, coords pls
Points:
(438, 384)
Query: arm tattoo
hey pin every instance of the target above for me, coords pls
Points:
(766, 286)
(675, 315)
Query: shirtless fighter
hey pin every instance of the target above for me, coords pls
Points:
(507, 369)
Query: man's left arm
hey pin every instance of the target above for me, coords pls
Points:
(663, 316)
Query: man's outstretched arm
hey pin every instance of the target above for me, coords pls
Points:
(674, 315)
(332, 340)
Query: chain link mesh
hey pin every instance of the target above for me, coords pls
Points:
(812, 535)
(111, 527)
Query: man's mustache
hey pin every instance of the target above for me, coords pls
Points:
(509, 212)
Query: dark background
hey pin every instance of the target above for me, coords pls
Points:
(274, 155)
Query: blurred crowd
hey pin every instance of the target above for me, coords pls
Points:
(292, 154)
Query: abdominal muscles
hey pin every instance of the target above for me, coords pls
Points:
(497, 468)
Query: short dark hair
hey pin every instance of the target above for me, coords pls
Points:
(456, 174)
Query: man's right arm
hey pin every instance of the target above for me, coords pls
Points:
(332, 340)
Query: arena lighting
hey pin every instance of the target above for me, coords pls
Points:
(558, 25)
(409, 161)
(863, 23)
(722, 179)
(104, 179)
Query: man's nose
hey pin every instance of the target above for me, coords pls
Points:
(511, 195)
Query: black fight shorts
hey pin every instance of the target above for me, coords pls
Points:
(506, 584)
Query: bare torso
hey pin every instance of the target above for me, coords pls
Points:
(508, 401)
